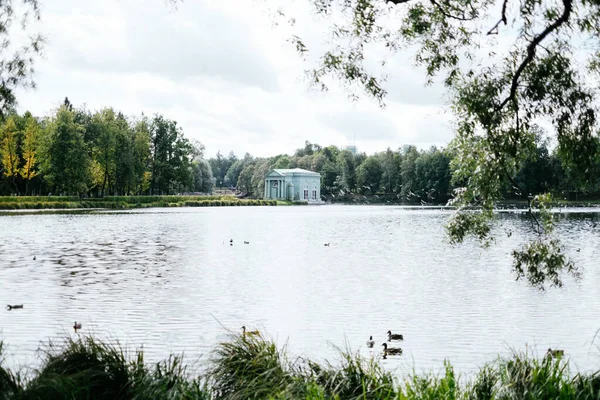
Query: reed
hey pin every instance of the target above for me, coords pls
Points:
(256, 368)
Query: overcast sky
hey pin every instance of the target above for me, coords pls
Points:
(225, 72)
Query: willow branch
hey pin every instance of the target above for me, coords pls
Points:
(532, 48)
(494, 29)
(447, 14)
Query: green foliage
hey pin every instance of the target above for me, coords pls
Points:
(66, 163)
(74, 151)
(248, 368)
(17, 59)
(256, 368)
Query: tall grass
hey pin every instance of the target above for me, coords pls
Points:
(255, 368)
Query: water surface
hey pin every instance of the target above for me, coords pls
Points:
(168, 280)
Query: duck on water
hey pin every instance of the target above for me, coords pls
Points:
(391, 351)
(370, 342)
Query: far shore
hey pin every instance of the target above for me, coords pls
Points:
(57, 204)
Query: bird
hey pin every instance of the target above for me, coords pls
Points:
(231, 242)
(394, 336)
(555, 353)
(76, 326)
(326, 244)
(249, 333)
(392, 351)
(34, 258)
(14, 307)
(370, 342)
(246, 242)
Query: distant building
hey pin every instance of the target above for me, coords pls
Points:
(293, 184)
(351, 149)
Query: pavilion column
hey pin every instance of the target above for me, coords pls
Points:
(266, 188)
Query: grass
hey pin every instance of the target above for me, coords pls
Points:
(125, 202)
(254, 368)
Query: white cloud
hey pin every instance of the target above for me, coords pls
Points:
(224, 73)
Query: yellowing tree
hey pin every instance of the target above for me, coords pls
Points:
(8, 150)
(27, 171)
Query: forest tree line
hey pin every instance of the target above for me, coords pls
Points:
(408, 176)
(76, 152)
(92, 154)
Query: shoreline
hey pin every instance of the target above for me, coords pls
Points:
(244, 366)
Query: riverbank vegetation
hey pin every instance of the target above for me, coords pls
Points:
(125, 202)
(252, 368)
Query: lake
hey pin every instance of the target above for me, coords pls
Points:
(168, 280)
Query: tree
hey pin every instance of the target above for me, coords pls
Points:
(245, 178)
(104, 124)
(67, 165)
(233, 173)
(369, 175)
(390, 164)
(432, 175)
(30, 139)
(142, 154)
(203, 176)
(409, 178)
(8, 151)
(171, 157)
(347, 166)
(17, 59)
(526, 74)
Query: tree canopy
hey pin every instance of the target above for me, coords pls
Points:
(74, 151)
(509, 67)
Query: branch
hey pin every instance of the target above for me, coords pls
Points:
(448, 15)
(532, 47)
(494, 30)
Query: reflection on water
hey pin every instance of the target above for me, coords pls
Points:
(169, 280)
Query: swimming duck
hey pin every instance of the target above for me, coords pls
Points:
(392, 351)
(394, 336)
(76, 326)
(370, 342)
(555, 353)
(249, 333)
(326, 244)
(14, 307)
(246, 242)
(34, 258)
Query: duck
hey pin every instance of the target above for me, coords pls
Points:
(370, 342)
(249, 333)
(231, 242)
(34, 258)
(555, 353)
(326, 244)
(392, 351)
(76, 326)
(245, 242)
(14, 306)
(394, 336)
